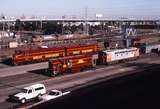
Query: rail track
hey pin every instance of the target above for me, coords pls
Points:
(12, 83)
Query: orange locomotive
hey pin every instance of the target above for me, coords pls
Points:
(71, 64)
(44, 54)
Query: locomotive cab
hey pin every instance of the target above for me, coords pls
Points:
(53, 69)
(16, 57)
(102, 58)
(94, 60)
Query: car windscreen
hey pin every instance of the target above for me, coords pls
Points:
(24, 90)
(52, 93)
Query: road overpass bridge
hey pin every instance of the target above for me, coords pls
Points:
(123, 21)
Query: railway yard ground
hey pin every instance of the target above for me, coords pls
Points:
(12, 79)
(139, 90)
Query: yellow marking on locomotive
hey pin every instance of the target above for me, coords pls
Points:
(37, 57)
(46, 52)
(76, 52)
(52, 55)
(64, 66)
(81, 61)
(86, 51)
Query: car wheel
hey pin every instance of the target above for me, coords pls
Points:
(23, 100)
(39, 96)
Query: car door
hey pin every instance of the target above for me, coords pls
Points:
(54, 95)
(58, 94)
(30, 94)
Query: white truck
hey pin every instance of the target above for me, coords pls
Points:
(30, 92)
(53, 94)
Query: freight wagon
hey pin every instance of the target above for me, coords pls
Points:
(150, 48)
(71, 64)
(44, 54)
(114, 56)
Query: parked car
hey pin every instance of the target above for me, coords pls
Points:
(30, 92)
(53, 94)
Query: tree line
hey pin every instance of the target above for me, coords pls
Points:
(49, 27)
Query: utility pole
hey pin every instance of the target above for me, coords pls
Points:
(63, 17)
(86, 22)
(3, 24)
(3, 28)
(3, 18)
(158, 25)
(41, 25)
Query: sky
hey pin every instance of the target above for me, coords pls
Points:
(109, 8)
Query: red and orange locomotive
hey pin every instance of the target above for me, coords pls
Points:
(44, 54)
(71, 64)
